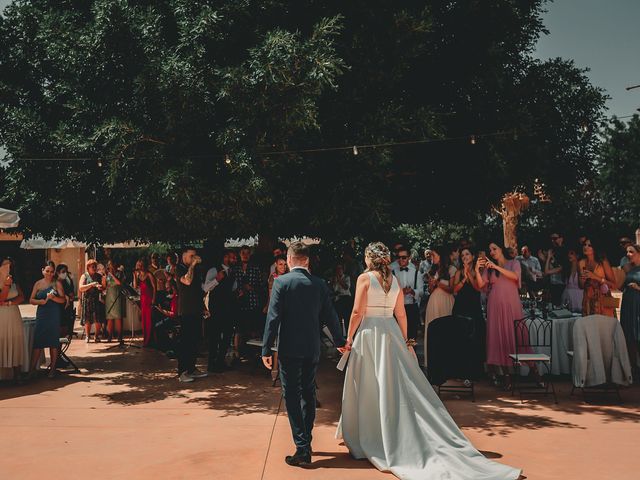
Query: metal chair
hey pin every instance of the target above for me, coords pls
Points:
(531, 334)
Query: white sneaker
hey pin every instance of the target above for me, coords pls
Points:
(198, 373)
(185, 378)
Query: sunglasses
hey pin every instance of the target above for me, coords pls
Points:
(403, 257)
(555, 238)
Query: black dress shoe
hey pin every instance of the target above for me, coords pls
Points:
(298, 459)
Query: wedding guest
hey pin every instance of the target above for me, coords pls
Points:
(573, 294)
(411, 283)
(281, 268)
(222, 304)
(395, 249)
(250, 287)
(468, 305)
(340, 285)
(91, 284)
(278, 251)
(440, 292)
(630, 308)
(532, 264)
(541, 254)
(11, 328)
(597, 280)
(352, 268)
(68, 319)
(190, 309)
(114, 301)
(144, 280)
(454, 256)
(624, 242)
(553, 271)
(155, 262)
(501, 280)
(172, 261)
(48, 295)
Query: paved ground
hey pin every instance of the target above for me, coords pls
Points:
(126, 416)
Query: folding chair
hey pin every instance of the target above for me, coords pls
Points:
(65, 343)
(531, 334)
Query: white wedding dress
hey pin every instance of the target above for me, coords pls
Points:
(390, 413)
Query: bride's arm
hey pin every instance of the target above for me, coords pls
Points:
(401, 315)
(359, 306)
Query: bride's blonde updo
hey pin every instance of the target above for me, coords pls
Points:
(380, 257)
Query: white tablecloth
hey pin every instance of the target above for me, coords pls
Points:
(562, 341)
(29, 325)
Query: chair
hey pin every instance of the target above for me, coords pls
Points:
(533, 334)
(455, 350)
(66, 335)
(600, 359)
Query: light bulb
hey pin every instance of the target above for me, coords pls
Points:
(227, 159)
(473, 139)
(355, 150)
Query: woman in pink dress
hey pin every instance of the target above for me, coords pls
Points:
(501, 280)
(144, 280)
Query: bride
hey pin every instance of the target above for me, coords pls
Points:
(390, 413)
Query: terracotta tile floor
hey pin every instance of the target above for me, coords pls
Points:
(126, 416)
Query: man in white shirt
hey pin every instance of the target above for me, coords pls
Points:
(221, 286)
(412, 286)
(534, 275)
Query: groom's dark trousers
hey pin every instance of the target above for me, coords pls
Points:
(299, 387)
(300, 303)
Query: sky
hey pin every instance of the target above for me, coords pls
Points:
(602, 35)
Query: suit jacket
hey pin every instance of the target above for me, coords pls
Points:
(599, 352)
(300, 304)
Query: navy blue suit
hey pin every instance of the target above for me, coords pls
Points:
(300, 304)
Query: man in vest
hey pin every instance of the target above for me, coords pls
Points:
(412, 285)
(221, 285)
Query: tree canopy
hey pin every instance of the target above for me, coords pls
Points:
(177, 109)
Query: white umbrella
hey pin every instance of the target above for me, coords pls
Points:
(8, 218)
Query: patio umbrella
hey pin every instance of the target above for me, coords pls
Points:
(8, 218)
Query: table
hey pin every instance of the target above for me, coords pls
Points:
(29, 326)
(562, 341)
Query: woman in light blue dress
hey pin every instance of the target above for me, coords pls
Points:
(390, 413)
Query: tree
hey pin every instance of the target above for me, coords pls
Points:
(619, 177)
(184, 104)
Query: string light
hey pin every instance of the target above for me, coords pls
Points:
(473, 139)
(355, 150)
(227, 159)
(100, 163)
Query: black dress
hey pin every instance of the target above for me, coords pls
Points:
(630, 316)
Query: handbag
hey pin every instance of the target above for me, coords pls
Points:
(609, 301)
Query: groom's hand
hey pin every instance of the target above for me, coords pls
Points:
(268, 362)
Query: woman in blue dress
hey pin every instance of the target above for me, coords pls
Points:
(48, 295)
(630, 308)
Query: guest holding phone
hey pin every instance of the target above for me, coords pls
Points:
(597, 280)
(48, 295)
(91, 285)
(144, 280)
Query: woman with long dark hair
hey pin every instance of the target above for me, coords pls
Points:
(573, 294)
(440, 287)
(68, 311)
(501, 279)
(146, 282)
(48, 295)
(468, 305)
(597, 280)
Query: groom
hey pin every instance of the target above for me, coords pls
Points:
(300, 304)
